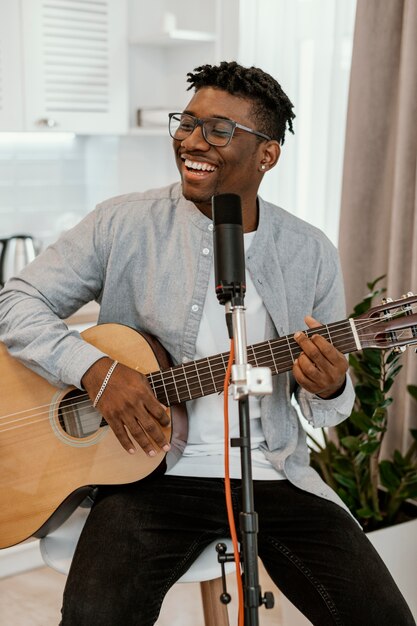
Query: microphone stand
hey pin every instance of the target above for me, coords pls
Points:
(246, 381)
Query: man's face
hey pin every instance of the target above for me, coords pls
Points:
(230, 169)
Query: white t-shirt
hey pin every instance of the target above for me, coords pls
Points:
(204, 452)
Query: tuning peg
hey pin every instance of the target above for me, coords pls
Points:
(386, 300)
(400, 349)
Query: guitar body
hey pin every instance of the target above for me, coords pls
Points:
(42, 462)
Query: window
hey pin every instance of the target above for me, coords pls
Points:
(306, 45)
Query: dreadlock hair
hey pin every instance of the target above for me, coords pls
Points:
(271, 106)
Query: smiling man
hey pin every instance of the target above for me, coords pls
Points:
(147, 258)
(210, 162)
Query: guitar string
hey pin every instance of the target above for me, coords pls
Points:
(368, 323)
(91, 420)
(156, 373)
(259, 355)
(256, 355)
(93, 423)
(272, 344)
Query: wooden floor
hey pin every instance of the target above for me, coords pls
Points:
(34, 599)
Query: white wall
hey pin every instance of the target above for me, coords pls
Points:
(117, 165)
(46, 188)
(42, 186)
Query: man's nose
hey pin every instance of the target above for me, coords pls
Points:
(196, 139)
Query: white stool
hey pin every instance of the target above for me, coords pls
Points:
(58, 548)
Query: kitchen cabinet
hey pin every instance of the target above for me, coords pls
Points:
(75, 65)
(69, 58)
(166, 40)
(88, 66)
(11, 102)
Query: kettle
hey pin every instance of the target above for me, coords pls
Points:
(16, 252)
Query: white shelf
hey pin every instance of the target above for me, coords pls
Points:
(175, 38)
(149, 131)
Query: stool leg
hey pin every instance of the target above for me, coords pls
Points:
(215, 613)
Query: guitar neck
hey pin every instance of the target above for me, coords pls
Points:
(204, 377)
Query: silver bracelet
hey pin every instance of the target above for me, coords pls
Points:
(105, 381)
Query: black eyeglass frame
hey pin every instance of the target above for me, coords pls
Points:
(199, 121)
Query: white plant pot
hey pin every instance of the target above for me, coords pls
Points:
(397, 547)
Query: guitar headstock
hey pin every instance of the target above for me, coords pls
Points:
(392, 324)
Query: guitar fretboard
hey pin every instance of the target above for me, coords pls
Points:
(206, 376)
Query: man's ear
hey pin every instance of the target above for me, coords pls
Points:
(270, 154)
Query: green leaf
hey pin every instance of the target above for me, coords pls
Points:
(368, 395)
(389, 476)
(365, 512)
(409, 492)
(360, 458)
(362, 307)
(392, 372)
(399, 459)
(350, 443)
(411, 477)
(361, 420)
(371, 286)
(345, 481)
(376, 429)
(392, 357)
(342, 465)
(353, 360)
(412, 389)
(386, 403)
(369, 447)
(388, 384)
(371, 355)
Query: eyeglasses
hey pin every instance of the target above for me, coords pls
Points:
(216, 131)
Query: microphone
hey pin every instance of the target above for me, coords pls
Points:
(229, 250)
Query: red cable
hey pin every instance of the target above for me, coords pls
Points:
(228, 490)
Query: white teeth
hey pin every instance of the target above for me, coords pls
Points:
(198, 165)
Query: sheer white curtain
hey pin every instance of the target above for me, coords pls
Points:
(306, 45)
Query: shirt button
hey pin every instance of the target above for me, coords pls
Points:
(206, 251)
(185, 359)
(194, 308)
(210, 226)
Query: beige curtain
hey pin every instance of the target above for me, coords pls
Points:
(378, 225)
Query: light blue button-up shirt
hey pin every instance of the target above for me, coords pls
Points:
(146, 258)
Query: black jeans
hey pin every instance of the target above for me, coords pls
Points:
(140, 538)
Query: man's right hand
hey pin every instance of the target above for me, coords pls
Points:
(129, 406)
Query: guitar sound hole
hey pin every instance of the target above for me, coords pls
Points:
(77, 416)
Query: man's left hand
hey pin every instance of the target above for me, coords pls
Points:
(320, 368)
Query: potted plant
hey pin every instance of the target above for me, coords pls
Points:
(377, 491)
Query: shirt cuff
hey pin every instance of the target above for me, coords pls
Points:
(321, 413)
(83, 356)
(343, 403)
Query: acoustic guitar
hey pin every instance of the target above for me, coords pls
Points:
(54, 445)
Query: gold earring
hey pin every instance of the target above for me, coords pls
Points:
(263, 167)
